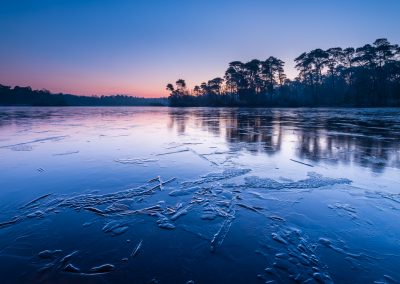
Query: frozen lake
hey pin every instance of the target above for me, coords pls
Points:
(199, 195)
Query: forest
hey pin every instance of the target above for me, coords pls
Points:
(25, 96)
(367, 76)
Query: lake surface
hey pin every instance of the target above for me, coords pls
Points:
(199, 195)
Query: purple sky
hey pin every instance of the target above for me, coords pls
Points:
(137, 47)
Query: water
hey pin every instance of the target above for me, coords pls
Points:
(164, 195)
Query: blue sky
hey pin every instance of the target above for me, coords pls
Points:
(136, 47)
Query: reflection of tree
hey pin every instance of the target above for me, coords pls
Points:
(242, 130)
(254, 132)
(179, 120)
(368, 138)
(331, 136)
(334, 148)
(20, 116)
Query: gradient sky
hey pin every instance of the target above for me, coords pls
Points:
(137, 47)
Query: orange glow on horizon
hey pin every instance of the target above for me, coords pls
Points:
(93, 91)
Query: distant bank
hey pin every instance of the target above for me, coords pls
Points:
(25, 96)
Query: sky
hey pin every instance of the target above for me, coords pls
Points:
(104, 47)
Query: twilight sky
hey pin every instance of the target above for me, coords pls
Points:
(136, 47)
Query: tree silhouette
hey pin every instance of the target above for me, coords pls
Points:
(363, 76)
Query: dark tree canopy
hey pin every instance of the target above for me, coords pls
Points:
(367, 76)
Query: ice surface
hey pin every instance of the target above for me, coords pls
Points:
(158, 195)
(115, 228)
(66, 153)
(104, 268)
(71, 268)
(28, 143)
(314, 180)
(136, 250)
(211, 177)
(137, 161)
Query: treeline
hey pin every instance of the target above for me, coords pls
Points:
(27, 96)
(368, 76)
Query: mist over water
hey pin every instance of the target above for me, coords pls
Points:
(210, 195)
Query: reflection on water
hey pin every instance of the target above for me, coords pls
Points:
(203, 195)
(368, 138)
